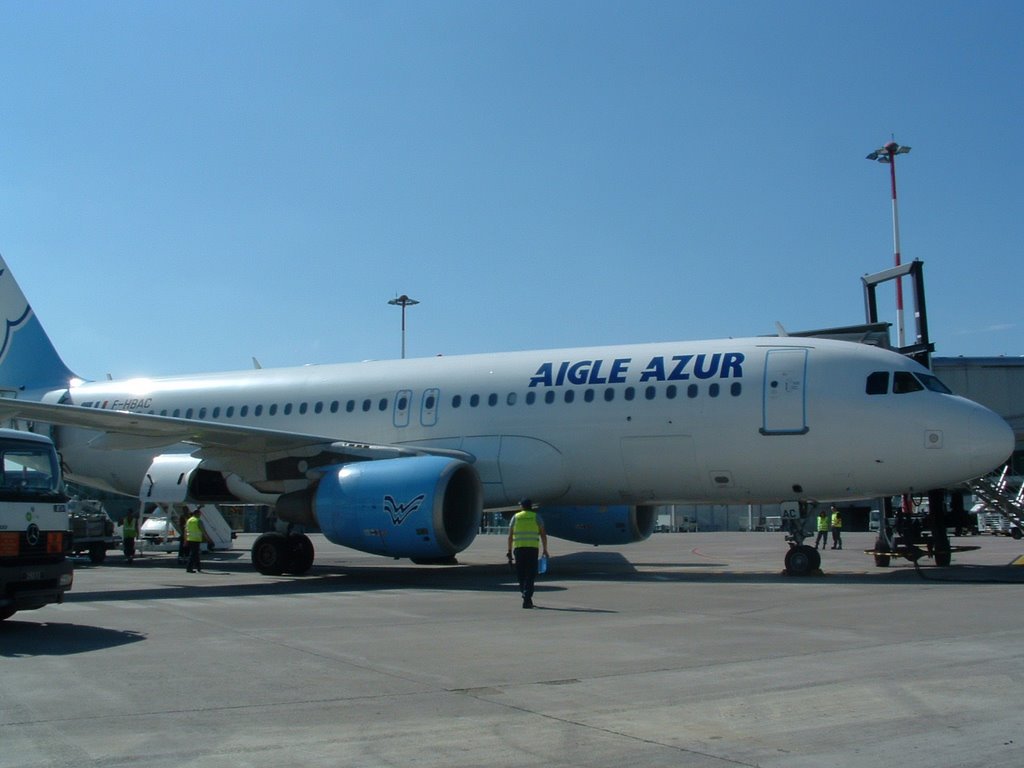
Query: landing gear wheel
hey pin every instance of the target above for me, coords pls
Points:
(300, 554)
(802, 560)
(270, 554)
(881, 561)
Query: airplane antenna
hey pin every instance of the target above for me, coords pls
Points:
(887, 154)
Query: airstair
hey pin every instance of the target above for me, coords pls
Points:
(999, 498)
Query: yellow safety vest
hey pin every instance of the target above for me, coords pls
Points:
(822, 523)
(129, 528)
(837, 521)
(525, 530)
(193, 531)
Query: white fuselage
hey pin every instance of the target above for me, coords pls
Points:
(739, 420)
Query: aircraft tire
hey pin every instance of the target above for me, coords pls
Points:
(270, 554)
(300, 554)
(802, 560)
(881, 561)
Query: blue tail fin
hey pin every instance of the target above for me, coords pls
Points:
(28, 359)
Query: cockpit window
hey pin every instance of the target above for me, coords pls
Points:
(904, 382)
(878, 383)
(932, 383)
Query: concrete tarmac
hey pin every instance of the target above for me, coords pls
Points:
(686, 650)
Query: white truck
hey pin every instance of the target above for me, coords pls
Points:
(34, 534)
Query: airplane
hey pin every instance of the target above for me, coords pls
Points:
(401, 457)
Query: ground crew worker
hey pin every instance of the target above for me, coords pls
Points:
(128, 533)
(823, 526)
(837, 529)
(526, 536)
(194, 535)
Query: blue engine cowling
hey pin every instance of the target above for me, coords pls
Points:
(600, 525)
(422, 507)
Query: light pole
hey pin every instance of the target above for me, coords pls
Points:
(403, 301)
(887, 154)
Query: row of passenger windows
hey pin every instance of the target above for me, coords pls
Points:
(608, 394)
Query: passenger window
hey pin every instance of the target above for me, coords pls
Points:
(383, 404)
(570, 395)
(257, 411)
(456, 401)
(878, 383)
(713, 390)
(287, 409)
(474, 401)
(319, 407)
(630, 393)
(366, 405)
(243, 411)
(272, 410)
(202, 413)
(691, 391)
(904, 382)
(492, 399)
(230, 412)
(735, 389)
(303, 407)
(549, 396)
(511, 399)
(531, 397)
(609, 394)
(670, 391)
(650, 393)
(588, 395)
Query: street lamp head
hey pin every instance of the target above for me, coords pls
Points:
(402, 301)
(885, 154)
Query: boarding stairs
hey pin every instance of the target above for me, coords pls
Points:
(998, 497)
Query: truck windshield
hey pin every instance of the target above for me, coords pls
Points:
(30, 471)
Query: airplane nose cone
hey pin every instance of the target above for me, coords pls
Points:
(991, 440)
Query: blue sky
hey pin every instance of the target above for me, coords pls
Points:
(186, 185)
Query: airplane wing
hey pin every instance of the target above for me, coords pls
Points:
(125, 430)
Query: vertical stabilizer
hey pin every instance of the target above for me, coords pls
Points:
(28, 359)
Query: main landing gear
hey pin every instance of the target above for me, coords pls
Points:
(276, 553)
(801, 559)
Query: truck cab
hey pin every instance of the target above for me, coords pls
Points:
(34, 535)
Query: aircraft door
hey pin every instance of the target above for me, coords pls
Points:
(403, 405)
(428, 407)
(785, 393)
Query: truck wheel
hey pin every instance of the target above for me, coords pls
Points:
(97, 553)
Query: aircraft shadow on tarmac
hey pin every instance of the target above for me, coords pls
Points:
(24, 639)
(499, 578)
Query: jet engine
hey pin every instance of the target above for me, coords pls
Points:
(600, 525)
(421, 507)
